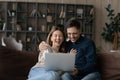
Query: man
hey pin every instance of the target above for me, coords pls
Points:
(85, 63)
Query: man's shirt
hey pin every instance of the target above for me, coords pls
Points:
(85, 57)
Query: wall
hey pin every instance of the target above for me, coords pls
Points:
(100, 15)
(101, 18)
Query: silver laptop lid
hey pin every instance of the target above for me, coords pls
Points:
(59, 61)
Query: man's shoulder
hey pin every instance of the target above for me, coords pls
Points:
(87, 40)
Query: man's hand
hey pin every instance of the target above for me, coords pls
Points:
(75, 72)
(73, 51)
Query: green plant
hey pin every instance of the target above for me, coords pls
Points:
(112, 28)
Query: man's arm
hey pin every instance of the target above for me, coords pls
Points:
(90, 60)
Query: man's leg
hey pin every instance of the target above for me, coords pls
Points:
(66, 76)
(92, 76)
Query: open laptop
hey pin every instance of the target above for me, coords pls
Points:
(59, 61)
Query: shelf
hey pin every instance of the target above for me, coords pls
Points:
(30, 22)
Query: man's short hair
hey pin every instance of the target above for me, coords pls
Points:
(73, 23)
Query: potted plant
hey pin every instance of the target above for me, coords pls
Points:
(112, 28)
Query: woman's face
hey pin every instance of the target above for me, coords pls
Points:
(57, 38)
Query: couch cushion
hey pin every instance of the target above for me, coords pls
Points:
(15, 65)
(109, 63)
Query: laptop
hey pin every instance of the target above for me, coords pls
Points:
(59, 61)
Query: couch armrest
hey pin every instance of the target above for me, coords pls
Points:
(109, 64)
(14, 64)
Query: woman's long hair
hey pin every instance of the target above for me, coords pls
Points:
(63, 45)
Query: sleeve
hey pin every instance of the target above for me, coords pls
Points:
(88, 62)
(41, 56)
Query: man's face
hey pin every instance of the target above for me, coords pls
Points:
(73, 33)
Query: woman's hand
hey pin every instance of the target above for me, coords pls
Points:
(73, 51)
(43, 46)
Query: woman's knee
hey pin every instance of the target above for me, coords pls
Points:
(54, 76)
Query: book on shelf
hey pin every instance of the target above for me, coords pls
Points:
(92, 11)
(9, 13)
(35, 13)
(62, 14)
(4, 26)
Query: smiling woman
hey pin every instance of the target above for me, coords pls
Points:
(56, 42)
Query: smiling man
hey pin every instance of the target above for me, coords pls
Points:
(85, 63)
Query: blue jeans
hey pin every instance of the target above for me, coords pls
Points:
(91, 76)
(41, 74)
(66, 76)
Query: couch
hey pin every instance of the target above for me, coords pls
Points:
(15, 65)
(109, 65)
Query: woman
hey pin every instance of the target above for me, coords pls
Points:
(56, 41)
